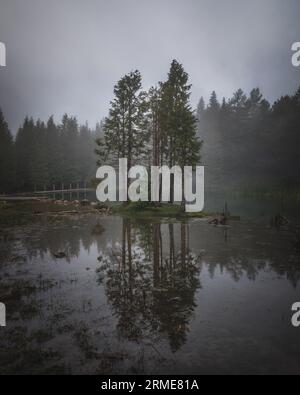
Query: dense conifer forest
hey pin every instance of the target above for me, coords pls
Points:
(244, 142)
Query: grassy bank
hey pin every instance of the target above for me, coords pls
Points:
(26, 212)
(148, 210)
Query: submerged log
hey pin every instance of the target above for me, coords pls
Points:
(60, 255)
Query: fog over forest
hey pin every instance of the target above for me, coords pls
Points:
(63, 56)
(245, 143)
(64, 59)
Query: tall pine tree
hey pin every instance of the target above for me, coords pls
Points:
(125, 132)
(178, 120)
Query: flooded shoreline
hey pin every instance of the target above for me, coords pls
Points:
(134, 296)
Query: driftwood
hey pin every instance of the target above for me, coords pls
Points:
(278, 221)
(221, 219)
(85, 202)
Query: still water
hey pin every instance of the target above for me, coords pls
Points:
(150, 296)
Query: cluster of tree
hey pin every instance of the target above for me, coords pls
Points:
(249, 144)
(152, 128)
(46, 154)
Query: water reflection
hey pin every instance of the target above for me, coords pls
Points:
(151, 281)
(140, 285)
(170, 247)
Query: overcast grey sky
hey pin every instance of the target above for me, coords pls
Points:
(66, 55)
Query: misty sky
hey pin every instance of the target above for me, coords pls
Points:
(66, 55)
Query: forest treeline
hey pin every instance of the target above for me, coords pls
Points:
(46, 154)
(244, 141)
(250, 144)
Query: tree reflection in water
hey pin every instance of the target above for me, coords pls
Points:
(152, 280)
(243, 249)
